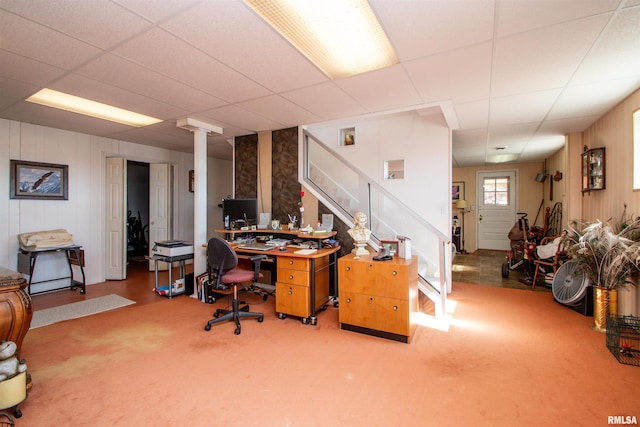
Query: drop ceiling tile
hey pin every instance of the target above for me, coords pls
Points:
(591, 99)
(158, 50)
(518, 16)
(616, 55)
(281, 68)
(101, 92)
(119, 72)
(327, 101)
(433, 26)
(54, 48)
(522, 108)
(242, 118)
(279, 110)
(27, 70)
(99, 23)
(473, 115)
(567, 125)
(459, 76)
(155, 10)
(543, 59)
(393, 89)
(469, 139)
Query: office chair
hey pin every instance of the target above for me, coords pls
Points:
(222, 267)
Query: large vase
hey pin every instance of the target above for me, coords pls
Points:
(605, 302)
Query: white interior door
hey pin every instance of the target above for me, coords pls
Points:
(116, 227)
(160, 206)
(496, 212)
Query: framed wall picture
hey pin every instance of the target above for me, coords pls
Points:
(390, 245)
(348, 136)
(40, 181)
(457, 191)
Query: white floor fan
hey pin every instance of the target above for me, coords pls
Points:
(569, 288)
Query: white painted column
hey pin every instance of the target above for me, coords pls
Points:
(200, 131)
(199, 203)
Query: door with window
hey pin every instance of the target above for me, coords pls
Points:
(496, 209)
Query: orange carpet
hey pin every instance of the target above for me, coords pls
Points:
(509, 358)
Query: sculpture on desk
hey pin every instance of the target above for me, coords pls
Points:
(360, 234)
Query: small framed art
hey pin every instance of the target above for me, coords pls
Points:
(390, 245)
(457, 191)
(348, 136)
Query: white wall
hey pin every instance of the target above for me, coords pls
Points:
(423, 142)
(83, 214)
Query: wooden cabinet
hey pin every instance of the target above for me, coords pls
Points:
(379, 297)
(593, 169)
(302, 286)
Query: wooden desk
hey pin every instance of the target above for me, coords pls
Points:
(305, 283)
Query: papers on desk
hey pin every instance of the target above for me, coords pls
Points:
(257, 247)
(306, 251)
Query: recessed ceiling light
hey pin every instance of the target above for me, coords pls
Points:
(341, 37)
(75, 104)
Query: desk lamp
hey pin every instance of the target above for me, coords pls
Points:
(462, 206)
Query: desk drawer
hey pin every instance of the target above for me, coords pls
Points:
(292, 263)
(294, 277)
(293, 300)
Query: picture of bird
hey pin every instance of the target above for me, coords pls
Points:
(44, 178)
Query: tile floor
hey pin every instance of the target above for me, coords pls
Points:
(484, 267)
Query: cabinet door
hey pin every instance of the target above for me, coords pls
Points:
(384, 279)
(379, 313)
(292, 299)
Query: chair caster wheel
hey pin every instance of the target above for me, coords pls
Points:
(260, 319)
(264, 297)
(207, 327)
(237, 331)
(282, 316)
(305, 320)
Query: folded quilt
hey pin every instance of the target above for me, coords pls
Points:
(41, 240)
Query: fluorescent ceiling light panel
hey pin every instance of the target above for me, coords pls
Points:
(341, 37)
(75, 104)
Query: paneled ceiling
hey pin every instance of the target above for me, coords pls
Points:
(518, 74)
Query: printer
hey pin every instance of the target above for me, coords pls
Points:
(172, 248)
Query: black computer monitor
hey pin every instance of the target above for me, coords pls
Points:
(239, 210)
